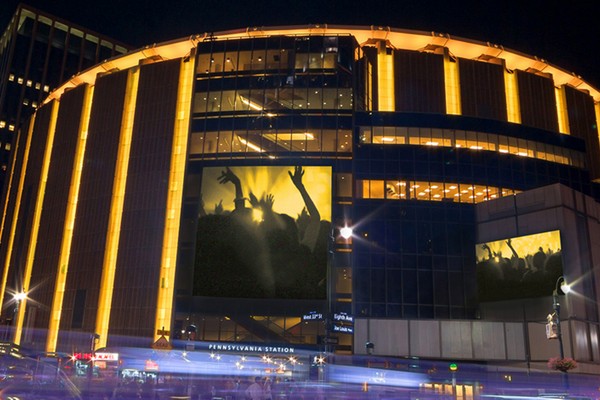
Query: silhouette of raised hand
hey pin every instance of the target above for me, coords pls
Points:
(228, 176)
(297, 176)
(267, 202)
(219, 207)
(312, 229)
(254, 202)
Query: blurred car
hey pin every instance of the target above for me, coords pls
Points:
(18, 380)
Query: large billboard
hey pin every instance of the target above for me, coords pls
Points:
(263, 232)
(520, 267)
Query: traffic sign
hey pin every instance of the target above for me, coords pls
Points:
(162, 344)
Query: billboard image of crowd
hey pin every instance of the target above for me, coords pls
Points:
(520, 267)
(263, 232)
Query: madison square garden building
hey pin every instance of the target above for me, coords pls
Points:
(198, 189)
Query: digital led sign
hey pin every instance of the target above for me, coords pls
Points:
(519, 267)
(263, 232)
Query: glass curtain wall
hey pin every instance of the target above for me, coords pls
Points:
(267, 96)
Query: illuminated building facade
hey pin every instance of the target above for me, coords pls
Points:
(38, 52)
(197, 188)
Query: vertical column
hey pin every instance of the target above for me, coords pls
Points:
(513, 109)
(164, 308)
(385, 78)
(15, 214)
(116, 210)
(65, 248)
(561, 110)
(37, 212)
(452, 85)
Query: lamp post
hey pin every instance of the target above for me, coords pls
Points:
(561, 285)
(18, 298)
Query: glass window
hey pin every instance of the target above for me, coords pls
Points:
(438, 138)
(344, 141)
(210, 142)
(376, 190)
(413, 136)
(513, 146)
(197, 143)
(472, 141)
(401, 135)
(550, 153)
(225, 139)
(343, 185)
(483, 141)
(329, 140)
(503, 144)
(343, 280)
(522, 144)
(460, 139)
(366, 135)
(395, 190)
(425, 136)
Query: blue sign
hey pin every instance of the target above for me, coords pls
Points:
(313, 316)
(343, 328)
(343, 317)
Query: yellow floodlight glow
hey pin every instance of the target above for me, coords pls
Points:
(385, 78)
(513, 107)
(10, 180)
(109, 264)
(164, 306)
(65, 247)
(13, 226)
(398, 38)
(35, 226)
(561, 110)
(452, 86)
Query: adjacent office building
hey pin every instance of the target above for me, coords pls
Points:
(202, 189)
(38, 52)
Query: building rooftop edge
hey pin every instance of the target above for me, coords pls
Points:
(399, 38)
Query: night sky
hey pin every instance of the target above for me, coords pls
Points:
(565, 33)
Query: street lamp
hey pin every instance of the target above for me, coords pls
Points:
(17, 298)
(346, 232)
(561, 285)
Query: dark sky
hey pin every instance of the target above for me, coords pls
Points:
(565, 33)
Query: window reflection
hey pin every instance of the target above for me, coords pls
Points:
(270, 142)
(471, 140)
(273, 101)
(429, 191)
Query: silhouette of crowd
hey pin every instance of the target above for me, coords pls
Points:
(502, 277)
(276, 255)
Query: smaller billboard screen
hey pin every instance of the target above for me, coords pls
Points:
(519, 267)
(263, 232)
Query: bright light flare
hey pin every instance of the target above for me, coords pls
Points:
(346, 232)
(20, 296)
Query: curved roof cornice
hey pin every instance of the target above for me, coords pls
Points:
(398, 38)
